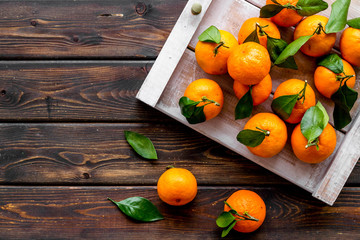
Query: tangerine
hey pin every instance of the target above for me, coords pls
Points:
(249, 63)
(350, 46)
(177, 186)
(286, 17)
(326, 144)
(307, 100)
(247, 202)
(259, 93)
(209, 89)
(249, 26)
(320, 43)
(327, 82)
(212, 57)
(275, 141)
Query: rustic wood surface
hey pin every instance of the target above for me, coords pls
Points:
(69, 74)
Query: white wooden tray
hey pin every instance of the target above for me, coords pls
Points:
(176, 67)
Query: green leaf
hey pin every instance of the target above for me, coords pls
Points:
(187, 106)
(275, 47)
(312, 123)
(251, 138)
(338, 16)
(253, 37)
(326, 116)
(141, 144)
(284, 105)
(344, 99)
(332, 62)
(244, 107)
(292, 49)
(270, 10)
(354, 23)
(190, 111)
(225, 219)
(226, 231)
(311, 7)
(139, 208)
(198, 116)
(212, 34)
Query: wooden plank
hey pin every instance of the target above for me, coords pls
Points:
(99, 154)
(344, 161)
(171, 53)
(74, 91)
(83, 29)
(83, 212)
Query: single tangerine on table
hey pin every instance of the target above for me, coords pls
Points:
(292, 87)
(286, 17)
(326, 144)
(203, 87)
(350, 45)
(212, 57)
(327, 82)
(247, 202)
(177, 186)
(260, 92)
(249, 26)
(276, 139)
(249, 63)
(319, 44)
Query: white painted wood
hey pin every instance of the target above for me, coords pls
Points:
(342, 165)
(171, 53)
(323, 180)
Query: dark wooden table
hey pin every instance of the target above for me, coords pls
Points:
(69, 73)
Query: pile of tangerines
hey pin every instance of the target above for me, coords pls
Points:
(248, 60)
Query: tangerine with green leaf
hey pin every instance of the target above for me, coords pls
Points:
(249, 63)
(249, 204)
(327, 82)
(259, 92)
(318, 152)
(212, 56)
(320, 43)
(264, 25)
(350, 45)
(177, 186)
(286, 17)
(264, 134)
(204, 95)
(304, 100)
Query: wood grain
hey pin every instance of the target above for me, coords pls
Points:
(74, 91)
(98, 154)
(86, 29)
(84, 212)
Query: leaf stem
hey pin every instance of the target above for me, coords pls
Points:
(266, 132)
(216, 49)
(319, 29)
(246, 215)
(302, 92)
(209, 101)
(313, 143)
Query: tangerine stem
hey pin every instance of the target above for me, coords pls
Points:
(216, 49)
(246, 217)
(302, 92)
(209, 101)
(313, 143)
(266, 132)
